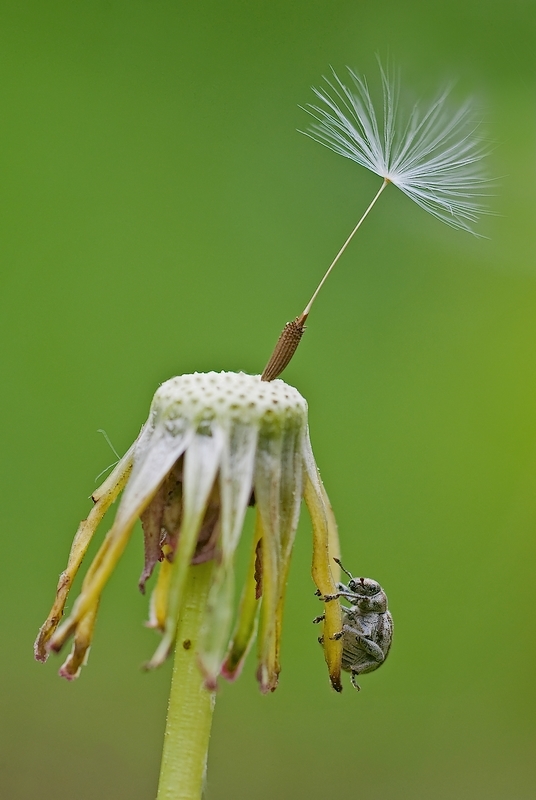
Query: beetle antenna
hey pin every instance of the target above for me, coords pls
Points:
(337, 561)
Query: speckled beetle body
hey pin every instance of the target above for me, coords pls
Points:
(367, 630)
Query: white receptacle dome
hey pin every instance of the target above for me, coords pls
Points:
(205, 396)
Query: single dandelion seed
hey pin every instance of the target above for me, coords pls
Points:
(431, 153)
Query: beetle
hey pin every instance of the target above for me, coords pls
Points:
(367, 630)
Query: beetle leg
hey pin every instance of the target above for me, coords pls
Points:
(367, 645)
(327, 598)
(354, 683)
(370, 647)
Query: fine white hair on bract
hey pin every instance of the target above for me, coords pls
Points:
(432, 154)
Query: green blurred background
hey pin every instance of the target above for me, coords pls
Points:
(160, 215)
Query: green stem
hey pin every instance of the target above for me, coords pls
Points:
(189, 719)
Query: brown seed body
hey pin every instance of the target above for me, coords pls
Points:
(286, 346)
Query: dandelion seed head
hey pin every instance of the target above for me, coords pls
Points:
(218, 397)
(214, 445)
(432, 153)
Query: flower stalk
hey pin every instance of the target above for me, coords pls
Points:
(191, 705)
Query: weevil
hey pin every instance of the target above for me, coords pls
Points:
(367, 629)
